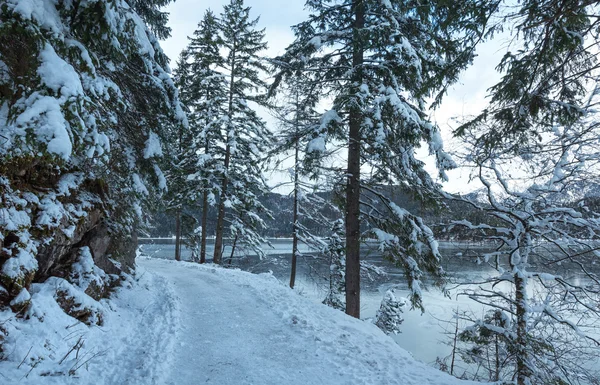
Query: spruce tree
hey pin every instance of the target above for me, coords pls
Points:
(85, 101)
(389, 316)
(335, 254)
(246, 135)
(179, 188)
(380, 62)
(203, 90)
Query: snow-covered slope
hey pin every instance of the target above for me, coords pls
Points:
(132, 346)
(187, 324)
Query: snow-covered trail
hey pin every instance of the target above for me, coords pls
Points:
(230, 336)
(237, 328)
(139, 358)
(180, 323)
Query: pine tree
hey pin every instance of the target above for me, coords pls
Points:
(208, 101)
(246, 137)
(389, 316)
(85, 100)
(380, 61)
(336, 255)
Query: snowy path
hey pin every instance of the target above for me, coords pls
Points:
(140, 357)
(179, 323)
(230, 336)
(237, 328)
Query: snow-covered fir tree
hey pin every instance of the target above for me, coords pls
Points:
(85, 100)
(178, 196)
(389, 315)
(209, 102)
(246, 135)
(335, 254)
(203, 91)
(380, 62)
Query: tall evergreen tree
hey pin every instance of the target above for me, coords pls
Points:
(246, 135)
(179, 190)
(208, 102)
(85, 99)
(380, 62)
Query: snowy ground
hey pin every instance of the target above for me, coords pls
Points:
(189, 324)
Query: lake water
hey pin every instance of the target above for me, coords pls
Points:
(423, 334)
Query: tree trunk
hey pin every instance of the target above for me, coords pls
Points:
(204, 215)
(223, 196)
(295, 218)
(178, 235)
(218, 254)
(232, 249)
(353, 182)
(497, 373)
(295, 234)
(454, 345)
(523, 369)
(178, 213)
(203, 224)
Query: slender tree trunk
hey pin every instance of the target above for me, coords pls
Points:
(203, 224)
(178, 235)
(523, 370)
(497, 374)
(223, 196)
(232, 249)
(295, 219)
(221, 215)
(178, 212)
(204, 216)
(353, 182)
(454, 344)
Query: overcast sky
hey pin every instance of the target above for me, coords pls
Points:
(276, 16)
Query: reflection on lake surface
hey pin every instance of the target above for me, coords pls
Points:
(422, 333)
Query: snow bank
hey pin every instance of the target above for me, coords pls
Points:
(52, 348)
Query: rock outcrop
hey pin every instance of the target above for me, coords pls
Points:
(43, 234)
